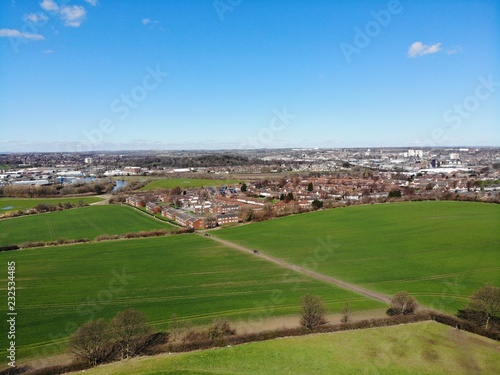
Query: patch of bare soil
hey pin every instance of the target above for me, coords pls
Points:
(293, 321)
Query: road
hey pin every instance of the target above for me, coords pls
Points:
(315, 275)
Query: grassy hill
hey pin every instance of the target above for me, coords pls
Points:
(59, 288)
(441, 252)
(422, 348)
(86, 222)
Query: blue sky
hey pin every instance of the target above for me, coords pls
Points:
(113, 75)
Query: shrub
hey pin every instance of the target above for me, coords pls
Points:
(220, 328)
(402, 304)
(9, 248)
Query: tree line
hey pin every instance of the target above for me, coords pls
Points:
(55, 190)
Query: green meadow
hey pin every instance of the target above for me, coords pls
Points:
(86, 222)
(441, 252)
(14, 204)
(185, 183)
(412, 349)
(59, 288)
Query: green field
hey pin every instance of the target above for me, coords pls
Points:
(185, 183)
(441, 252)
(193, 277)
(86, 222)
(14, 204)
(422, 348)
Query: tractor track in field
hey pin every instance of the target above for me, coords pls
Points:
(384, 298)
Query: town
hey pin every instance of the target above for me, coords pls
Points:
(258, 184)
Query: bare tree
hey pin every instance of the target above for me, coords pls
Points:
(176, 191)
(313, 312)
(402, 304)
(220, 328)
(346, 313)
(177, 327)
(486, 302)
(126, 327)
(90, 343)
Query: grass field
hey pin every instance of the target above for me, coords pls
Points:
(441, 252)
(193, 277)
(184, 183)
(14, 204)
(86, 222)
(422, 348)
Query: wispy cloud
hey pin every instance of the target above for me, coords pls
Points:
(36, 17)
(454, 50)
(420, 49)
(92, 2)
(48, 51)
(12, 33)
(49, 5)
(72, 15)
(152, 24)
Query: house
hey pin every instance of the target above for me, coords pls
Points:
(153, 207)
(226, 218)
(184, 219)
(197, 223)
(169, 213)
(227, 208)
(135, 201)
(190, 221)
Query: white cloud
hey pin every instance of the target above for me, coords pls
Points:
(92, 2)
(48, 51)
(452, 51)
(420, 49)
(12, 33)
(36, 17)
(152, 24)
(49, 5)
(72, 15)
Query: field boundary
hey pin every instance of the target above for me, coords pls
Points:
(159, 342)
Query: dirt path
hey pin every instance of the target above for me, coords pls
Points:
(345, 285)
(105, 200)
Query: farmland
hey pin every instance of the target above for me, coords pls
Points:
(193, 277)
(185, 183)
(441, 252)
(86, 222)
(421, 348)
(14, 204)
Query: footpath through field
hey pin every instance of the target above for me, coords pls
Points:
(352, 287)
